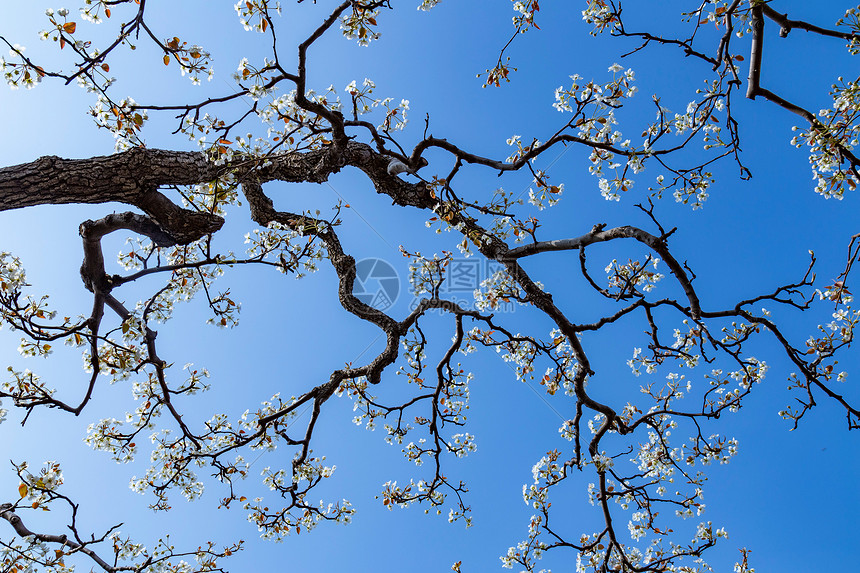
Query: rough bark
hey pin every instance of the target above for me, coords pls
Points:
(133, 177)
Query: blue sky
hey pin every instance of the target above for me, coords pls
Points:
(787, 495)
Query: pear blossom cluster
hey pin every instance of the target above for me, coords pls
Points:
(627, 277)
(363, 102)
(285, 523)
(395, 495)
(525, 17)
(528, 552)
(287, 247)
(502, 205)
(498, 288)
(254, 77)
(562, 373)
(852, 20)
(422, 491)
(12, 274)
(594, 116)
(122, 119)
(40, 486)
(32, 556)
(194, 271)
(19, 73)
(546, 196)
(26, 314)
(63, 29)
(40, 491)
(93, 10)
(426, 275)
(193, 60)
(656, 463)
(288, 125)
(834, 334)
(359, 23)
(593, 106)
(660, 471)
(215, 196)
(363, 403)
(442, 401)
(254, 15)
(301, 514)
(821, 347)
(428, 4)
(25, 387)
(831, 140)
(601, 14)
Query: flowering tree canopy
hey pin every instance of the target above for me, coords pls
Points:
(643, 349)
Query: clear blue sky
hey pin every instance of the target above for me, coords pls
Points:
(791, 497)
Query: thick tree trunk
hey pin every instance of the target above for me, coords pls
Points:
(125, 177)
(133, 177)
